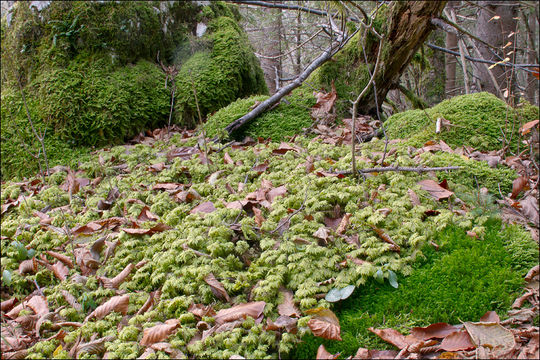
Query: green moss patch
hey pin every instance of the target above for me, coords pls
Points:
(478, 120)
(287, 119)
(250, 258)
(460, 282)
(218, 76)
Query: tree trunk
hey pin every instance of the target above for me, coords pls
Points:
(496, 32)
(531, 91)
(408, 27)
(450, 66)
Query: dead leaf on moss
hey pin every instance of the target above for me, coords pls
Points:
(518, 185)
(490, 316)
(260, 168)
(160, 227)
(386, 238)
(201, 310)
(287, 307)
(323, 354)
(526, 128)
(529, 207)
(147, 215)
(283, 148)
(323, 234)
(172, 187)
(159, 332)
(60, 271)
(184, 153)
(217, 288)
(259, 219)
(282, 322)
(38, 304)
(118, 303)
(227, 159)
(437, 191)
(7, 305)
(492, 335)
(241, 311)
(275, 192)
(393, 337)
(63, 258)
(71, 300)
(205, 207)
(324, 324)
(344, 224)
(433, 331)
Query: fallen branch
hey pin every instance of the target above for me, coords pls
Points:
(274, 99)
(398, 168)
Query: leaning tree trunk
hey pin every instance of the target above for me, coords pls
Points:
(408, 27)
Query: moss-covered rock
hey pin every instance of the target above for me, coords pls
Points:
(478, 120)
(286, 119)
(228, 70)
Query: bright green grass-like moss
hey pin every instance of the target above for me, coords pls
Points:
(460, 282)
(478, 120)
(287, 119)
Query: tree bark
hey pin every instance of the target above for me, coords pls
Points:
(496, 32)
(450, 66)
(409, 24)
(272, 49)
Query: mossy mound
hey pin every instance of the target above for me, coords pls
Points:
(219, 75)
(286, 119)
(478, 120)
(87, 77)
(460, 282)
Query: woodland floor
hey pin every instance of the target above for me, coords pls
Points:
(175, 246)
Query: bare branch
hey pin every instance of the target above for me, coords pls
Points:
(398, 168)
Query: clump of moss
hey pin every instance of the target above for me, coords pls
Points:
(460, 282)
(286, 119)
(478, 120)
(218, 76)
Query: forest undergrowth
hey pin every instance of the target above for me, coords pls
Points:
(175, 246)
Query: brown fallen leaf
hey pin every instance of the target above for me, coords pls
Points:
(492, 335)
(437, 191)
(386, 238)
(529, 207)
(7, 305)
(259, 219)
(287, 307)
(532, 273)
(146, 215)
(518, 185)
(201, 310)
(216, 329)
(434, 331)
(29, 266)
(260, 168)
(323, 354)
(282, 322)
(93, 347)
(205, 207)
(217, 288)
(185, 153)
(116, 303)
(160, 227)
(60, 271)
(324, 324)
(274, 193)
(342, 227)
(322, 233)
(71, 300)
(283, 148)
(159, 332)
(393, 337)
(253, 309)
(153, 299)
(526, 128)
(173, 187)
(63, 258)
(115, 282)
(227, 159)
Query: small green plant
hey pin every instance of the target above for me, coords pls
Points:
(6, 277)
(392, 277)
(22, 252)
(337, 294)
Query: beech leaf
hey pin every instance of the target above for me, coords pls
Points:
(253, 309)
(434, 331)
(393, 337)
(324, 324)
(217, 288)
(205, 207)
(159, 332)
(116, 303)
(457, 341)
(437, 191)
(323, 354)
(287, 307)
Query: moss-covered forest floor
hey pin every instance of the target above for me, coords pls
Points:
(175, 246)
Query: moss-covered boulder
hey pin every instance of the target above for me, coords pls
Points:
(477, 120)
(218, 75)
(286, 119)
(87, 71)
